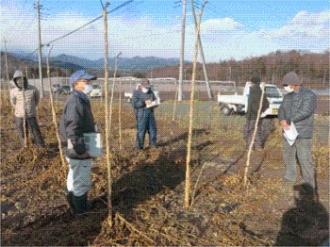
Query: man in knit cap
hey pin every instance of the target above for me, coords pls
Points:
(297, 111)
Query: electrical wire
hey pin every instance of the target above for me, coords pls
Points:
(88, 23)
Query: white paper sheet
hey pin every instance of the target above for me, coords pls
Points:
(291, 134)
(153, 104)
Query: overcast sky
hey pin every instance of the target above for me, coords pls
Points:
(229, 29)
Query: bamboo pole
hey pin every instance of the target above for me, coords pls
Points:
(191, 112)
(53, 110)
(183, 34)
(177, 89)
(107, 125)
(24, 116)
(209, 92)
(119, 116)
(253, 136)
(113, 88)
(173, 118)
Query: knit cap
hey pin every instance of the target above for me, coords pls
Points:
(291, 78)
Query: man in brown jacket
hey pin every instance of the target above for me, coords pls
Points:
(25, 98)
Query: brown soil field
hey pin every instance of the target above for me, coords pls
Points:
(148, 187)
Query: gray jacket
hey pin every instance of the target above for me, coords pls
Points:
(298, 107)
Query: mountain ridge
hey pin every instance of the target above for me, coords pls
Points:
(133, 64)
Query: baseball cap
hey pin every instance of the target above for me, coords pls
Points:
(291, 78)
(81, 74)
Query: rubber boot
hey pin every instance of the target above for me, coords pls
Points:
(81, 204)
(69, 198)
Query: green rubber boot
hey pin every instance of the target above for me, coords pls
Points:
(81, 204)
(69, 198)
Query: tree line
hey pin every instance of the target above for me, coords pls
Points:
(313, 68)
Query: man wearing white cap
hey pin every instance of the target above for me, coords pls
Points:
(76, 120)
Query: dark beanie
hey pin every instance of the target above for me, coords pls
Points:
(255, 80)
(291, 78)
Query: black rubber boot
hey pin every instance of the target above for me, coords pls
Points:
(81, 204)
(69, 198)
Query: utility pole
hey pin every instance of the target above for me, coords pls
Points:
(39, 50)
(6, 61)
(202, 53)
(183, 33)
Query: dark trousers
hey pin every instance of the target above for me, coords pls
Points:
(32, 124)
(146, 123)
(248, 133)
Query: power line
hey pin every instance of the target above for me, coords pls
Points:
(53, 41)
(88, 23)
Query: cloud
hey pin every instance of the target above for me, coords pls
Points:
(304, 24)
(212, 25)
(133, 35)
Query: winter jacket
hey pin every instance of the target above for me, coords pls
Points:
(32, 97)
(77, 119)
(298, 107)
(138, 102)
(254, 102)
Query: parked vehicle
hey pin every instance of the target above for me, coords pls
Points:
(129, 95)
(64, 89)
(55, 87)
(239, 103)
(96, 91)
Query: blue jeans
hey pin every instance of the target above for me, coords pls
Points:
(301, 150)
(146, 123)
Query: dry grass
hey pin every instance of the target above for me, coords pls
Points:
(148, 188)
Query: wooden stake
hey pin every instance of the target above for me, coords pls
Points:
(191, 112)
(253, 136)
(107, 125)
(54, 111)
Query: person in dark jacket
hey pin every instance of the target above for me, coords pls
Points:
(144, 112)
(76, 120)
(298, 107)
(25, 99)
(252, 114)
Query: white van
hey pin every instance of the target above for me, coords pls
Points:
(239, 103)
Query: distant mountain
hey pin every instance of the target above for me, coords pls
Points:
(124, 64)
(72, 62)
(32, 56)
